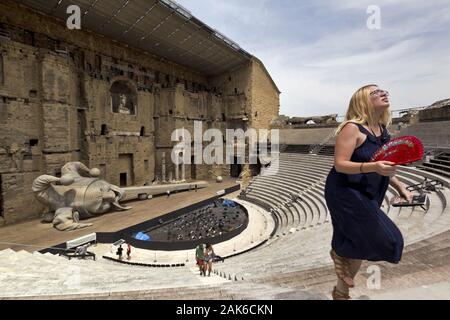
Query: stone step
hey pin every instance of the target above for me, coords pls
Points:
(429, 175)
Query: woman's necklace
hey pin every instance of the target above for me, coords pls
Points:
(377, 138)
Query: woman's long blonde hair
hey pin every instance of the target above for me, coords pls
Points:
(360, 110)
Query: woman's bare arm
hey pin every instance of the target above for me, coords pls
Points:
(401, 188)
(346, 143)
(396, 184)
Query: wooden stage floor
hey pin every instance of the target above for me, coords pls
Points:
(33, 235)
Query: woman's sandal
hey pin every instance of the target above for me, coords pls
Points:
(338, 295)
(341, 266)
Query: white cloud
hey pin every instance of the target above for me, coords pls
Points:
(320, 52)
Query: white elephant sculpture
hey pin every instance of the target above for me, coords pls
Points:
(78, 194)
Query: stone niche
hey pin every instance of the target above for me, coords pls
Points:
(123, 98)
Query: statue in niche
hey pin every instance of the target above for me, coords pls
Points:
(123, 98)
(16, 154)
(123, 105)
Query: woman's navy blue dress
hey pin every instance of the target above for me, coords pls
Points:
(360, 229)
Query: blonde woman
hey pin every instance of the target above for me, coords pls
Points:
(355, 189)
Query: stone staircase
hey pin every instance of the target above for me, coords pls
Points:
(425, 264)
(292, 189)
(303, 236)
(27, 275)
(293, 263)
(316, 148)
(440, 165)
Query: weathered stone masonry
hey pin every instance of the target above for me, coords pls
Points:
(58, 103)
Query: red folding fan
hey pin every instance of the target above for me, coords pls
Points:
(401, 150)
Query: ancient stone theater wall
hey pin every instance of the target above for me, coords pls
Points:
(265, 97)
(255, 95)
(70, 95)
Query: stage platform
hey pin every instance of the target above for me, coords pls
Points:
(259, 228)
(34, 235)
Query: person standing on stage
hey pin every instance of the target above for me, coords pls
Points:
(200, 258)
(209, 256)
(128, 251)
(355, 189)
(119, 252)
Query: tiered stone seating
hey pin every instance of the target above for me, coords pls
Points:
(297, 261)
(24, 274)
(424, 264)
(307, 136)
(294, 175)
(432, 134)
(327, 150)
(308, 248)
(301, 148)
(439, 165)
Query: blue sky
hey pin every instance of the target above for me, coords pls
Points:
(319, 52)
